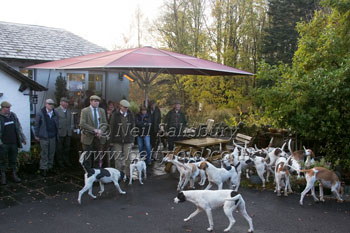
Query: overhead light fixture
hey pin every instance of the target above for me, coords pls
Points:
(128, 77)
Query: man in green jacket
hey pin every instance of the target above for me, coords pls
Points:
(11, 138)
(92, 120)
(65, 130)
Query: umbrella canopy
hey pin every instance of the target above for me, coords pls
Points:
(140, 62)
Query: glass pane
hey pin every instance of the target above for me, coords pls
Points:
(95, 83)
(75, 82)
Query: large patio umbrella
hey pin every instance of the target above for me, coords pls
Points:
(143, 64)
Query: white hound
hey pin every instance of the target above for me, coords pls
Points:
(207, 200)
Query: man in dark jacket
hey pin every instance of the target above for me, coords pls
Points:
(175, 123)
(122, 122)
(155, 114)
(11, 138)
(143, 123)
(46, 131)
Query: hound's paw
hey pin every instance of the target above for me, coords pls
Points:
(79, 201)
(186, 219)
(209, 229)
(250, 231)
(286, 194)
(129, 183)
(123, 192)
(94, 197)
(100, 193)
(300, 203)
(340, 201)
(322, 200)
(227, 229)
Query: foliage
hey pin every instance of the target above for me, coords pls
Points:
(134, 107)
(61, 88)
(312, 97)
(28, 157)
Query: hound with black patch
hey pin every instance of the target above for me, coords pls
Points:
(325, 178)
(207, 200)
(140, 166)
(102, 175)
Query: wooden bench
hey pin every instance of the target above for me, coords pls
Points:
(242, 139)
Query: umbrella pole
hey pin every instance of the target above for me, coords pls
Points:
(146, 95)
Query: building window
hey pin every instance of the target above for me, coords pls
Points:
(95, 83)
(75, 81)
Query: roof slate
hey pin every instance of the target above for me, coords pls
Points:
(22, 41)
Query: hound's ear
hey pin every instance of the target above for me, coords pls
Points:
(181, 196)
(234, 193)
(278, 151)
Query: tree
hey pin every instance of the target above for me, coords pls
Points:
(61, 88)
(312, 97)
(281, 37)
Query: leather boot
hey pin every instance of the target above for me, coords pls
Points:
(44, 172)
(15, 177)
(3, 178)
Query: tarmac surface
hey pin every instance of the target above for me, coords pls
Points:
(40, 205)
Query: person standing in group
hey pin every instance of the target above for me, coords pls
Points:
(11, 138)
(122, 122)
(108, 147)
(155, 114)
(92, 119)
(143, 123)
(46, 131)
(110, 110)
(64, 134)
(175, 123)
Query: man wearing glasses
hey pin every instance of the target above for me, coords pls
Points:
(11, 138)
(45, 131)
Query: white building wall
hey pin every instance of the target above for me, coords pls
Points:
(20, 103)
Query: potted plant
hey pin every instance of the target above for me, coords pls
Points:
(28, 161)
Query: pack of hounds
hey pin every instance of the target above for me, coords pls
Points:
(270, 160)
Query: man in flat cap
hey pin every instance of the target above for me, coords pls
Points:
(175, 123)
(122, 122)
(11, 138)
(92, 119)
(46, 132)
(64, 134)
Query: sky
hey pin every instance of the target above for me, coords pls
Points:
(103, 22)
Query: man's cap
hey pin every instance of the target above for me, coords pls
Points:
(95, 97)
(124, 103)
(64, 99)
(50, 101)
(5, 104)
